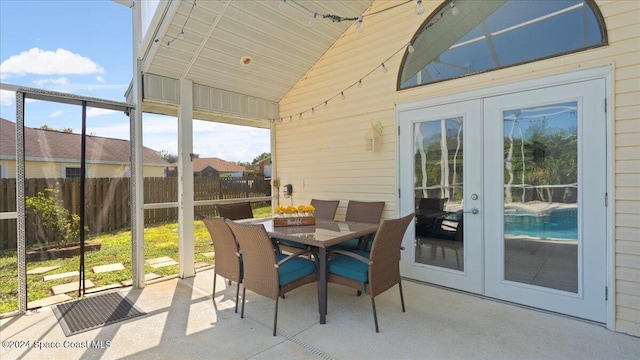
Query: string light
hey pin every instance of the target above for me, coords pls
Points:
(454, 9)
(337, 18)
(181, 34)
(358, 83)
(360, 26)
(410, 48)
(419, 7)
(312, 20)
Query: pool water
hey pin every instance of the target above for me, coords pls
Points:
(555, 224)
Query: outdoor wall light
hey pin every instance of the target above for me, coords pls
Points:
(373, 138)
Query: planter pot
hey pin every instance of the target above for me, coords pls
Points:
(64, 251)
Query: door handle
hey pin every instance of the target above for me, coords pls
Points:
(473, 211)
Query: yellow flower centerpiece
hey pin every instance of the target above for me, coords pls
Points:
(301, 215)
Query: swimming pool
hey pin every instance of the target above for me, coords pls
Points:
(551, 224)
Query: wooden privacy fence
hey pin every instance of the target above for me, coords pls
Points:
(108, 205)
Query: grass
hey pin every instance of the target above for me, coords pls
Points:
(159, 241)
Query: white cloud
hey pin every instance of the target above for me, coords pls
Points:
(44, 62)
(100, 79)
(59, 81)
(210, 139)
(7, 97)
(92, 112)
(56, 113)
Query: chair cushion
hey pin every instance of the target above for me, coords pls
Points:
(294, 269)
(349, 267)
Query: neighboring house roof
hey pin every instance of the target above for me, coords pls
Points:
(217, 164)
(60, 146)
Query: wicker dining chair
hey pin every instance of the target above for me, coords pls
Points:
(324, 210)
(235, 211)
(228, 261)
(373, 272)
(368, 212)
(265, 272)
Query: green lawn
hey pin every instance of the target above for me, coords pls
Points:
(160, 241)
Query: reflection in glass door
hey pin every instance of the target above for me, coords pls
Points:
(439, 167)
(541, 196)
(438, 186)
(545, 164)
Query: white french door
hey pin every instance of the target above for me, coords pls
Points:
(509, 193)
(440, 160)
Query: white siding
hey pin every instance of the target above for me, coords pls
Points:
(323, 155)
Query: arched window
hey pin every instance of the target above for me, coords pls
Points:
(464, 37)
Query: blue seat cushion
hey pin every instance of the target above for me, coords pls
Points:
(294, 269)
(349, 267)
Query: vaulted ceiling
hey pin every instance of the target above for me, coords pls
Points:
(259, 48)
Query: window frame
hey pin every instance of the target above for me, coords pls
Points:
(445, 5)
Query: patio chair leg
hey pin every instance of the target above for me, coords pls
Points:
(237, 292)
(242, 311)
(375, 316)
(275, 318)
(401, 296)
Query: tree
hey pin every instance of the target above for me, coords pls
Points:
(53, 222)
(261, 157)
(171, 158)
(64, 130)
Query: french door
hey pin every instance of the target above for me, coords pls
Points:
(509, 193)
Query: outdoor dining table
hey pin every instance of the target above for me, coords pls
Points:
(323, 234)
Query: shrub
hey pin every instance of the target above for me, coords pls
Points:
(53, 222)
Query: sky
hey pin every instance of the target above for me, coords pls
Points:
(84, 47)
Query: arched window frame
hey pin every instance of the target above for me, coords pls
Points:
(438, 12)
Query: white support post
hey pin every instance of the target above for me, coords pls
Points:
(185, 180)
(137, 177)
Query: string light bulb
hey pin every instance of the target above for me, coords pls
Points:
(360, 26)
(281, 4)
(454, 9)
(342, 95)
(419, 7)
(312, 20)
(360, 83)
(384, 68)
(326, 103)
(181, 35)
(410, 48)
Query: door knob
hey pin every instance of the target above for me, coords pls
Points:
(473, 211)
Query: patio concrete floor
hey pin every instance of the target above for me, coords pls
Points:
(182, 322)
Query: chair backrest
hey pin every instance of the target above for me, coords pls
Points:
(226, 249)
(235, 211)
(432, 204)
(384, 268)
(368, 212)
(325, 209)
(258, 258)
